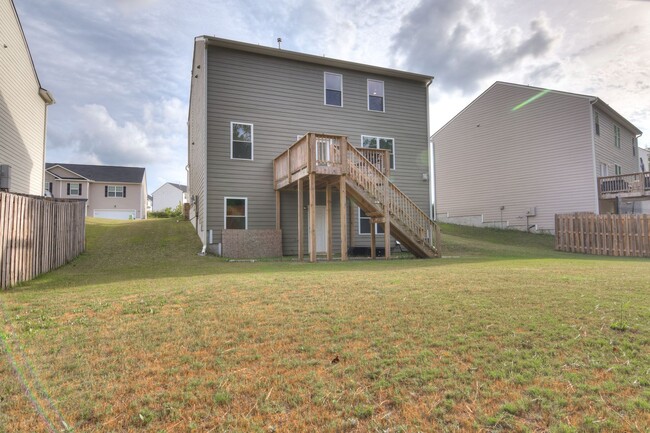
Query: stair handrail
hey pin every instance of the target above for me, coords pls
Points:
(401, 206)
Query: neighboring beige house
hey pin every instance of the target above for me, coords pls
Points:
(23, 109)
(111, 192)
(169, 195)
(517, 155)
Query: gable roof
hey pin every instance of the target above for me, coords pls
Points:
(179, 186)
(309, 58)
(594, 100)
(44, 94)
(102, 173)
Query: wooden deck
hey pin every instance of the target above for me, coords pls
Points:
(329, 161)
(632, 185)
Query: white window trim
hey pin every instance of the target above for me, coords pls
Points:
(383, 96)
(225, 211)
(385, 138)
(78, 194)
(325, 74)
(252, 141)
(617, 137)
(359, 225)
(108, 195)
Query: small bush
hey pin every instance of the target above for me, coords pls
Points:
(177, 212)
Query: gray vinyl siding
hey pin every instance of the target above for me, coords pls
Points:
(538, 156)
(283, 98)
(22, 110)
(197, 140)
(608, 153)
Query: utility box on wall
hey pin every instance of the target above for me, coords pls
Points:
(5, 177)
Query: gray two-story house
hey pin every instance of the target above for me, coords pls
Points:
(290, 153)
(518, 155)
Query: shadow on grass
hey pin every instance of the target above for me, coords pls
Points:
(127, 251)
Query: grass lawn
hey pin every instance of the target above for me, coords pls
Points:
(141, 334)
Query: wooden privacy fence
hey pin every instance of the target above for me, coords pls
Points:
(605, 235)
(38, 234)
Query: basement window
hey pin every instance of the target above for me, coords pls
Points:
(236, 213)
(333, 89)
(364, 224)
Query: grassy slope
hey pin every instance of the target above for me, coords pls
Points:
(141, 334)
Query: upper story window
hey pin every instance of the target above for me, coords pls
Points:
(375, 95)
(118, 191)
(617, 169)
(380, 143)
(74, 189)
(333, 89)
(241, 140)
(596, 123)
(236, 213)
(634, 146)
(617, 136)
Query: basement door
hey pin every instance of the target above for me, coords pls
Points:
(321, 230)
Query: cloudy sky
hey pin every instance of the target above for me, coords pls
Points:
(120, 69)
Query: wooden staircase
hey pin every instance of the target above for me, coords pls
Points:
(361, 174)
(373, 192)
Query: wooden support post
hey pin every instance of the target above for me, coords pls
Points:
(373, 239)
(343, 202)
(328, 219)
(277, 210)
(312, 217)
(386, 221)
(300, 220)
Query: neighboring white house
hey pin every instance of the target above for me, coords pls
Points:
(517, 155)
(23, 109)
(111, 191)
(644, 159)
(169, 195)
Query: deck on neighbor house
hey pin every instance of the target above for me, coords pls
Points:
(326, 161)
(633, 185)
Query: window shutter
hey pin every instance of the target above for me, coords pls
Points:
(79, 189)
(105, 190)
(124, 191)
(68, 189)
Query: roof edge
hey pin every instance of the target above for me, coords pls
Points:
(310, 58)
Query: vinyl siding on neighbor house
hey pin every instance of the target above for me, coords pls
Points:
(608, 153)
(22, 110)
(283, 99)
(538, 156)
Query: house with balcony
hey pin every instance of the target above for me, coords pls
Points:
(23, 110)
(517, 155)
(112, 192)
(290, 153)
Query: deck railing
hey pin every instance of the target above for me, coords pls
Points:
(626, 185)
(322, 154)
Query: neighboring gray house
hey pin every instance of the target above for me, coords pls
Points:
(111, 191)
(23, 110)
(169, 195)
(517, 155)
(249, 104)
